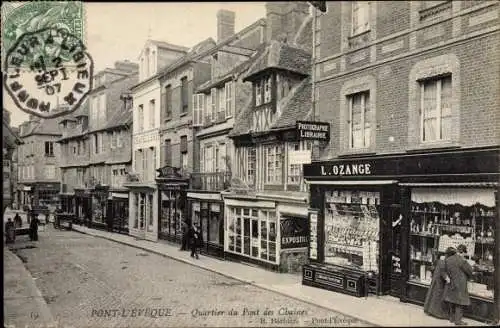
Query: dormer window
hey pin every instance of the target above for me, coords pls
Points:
(267, 90)
(258, 93)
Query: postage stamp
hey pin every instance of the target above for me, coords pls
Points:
(49, 73)
(44, 56)
(19, 18)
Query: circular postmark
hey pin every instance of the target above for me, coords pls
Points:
(49, 73)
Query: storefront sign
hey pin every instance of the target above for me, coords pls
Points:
(294, 232)
(299, 157)
(346, 169)
(448, 166)
(313, 234)
(396, 264)
(313, 131)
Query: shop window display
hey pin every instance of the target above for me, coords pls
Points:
(171, 214)
(252, 233)
(352, 229)
(450, 218)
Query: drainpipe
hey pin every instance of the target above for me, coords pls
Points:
(313, 65)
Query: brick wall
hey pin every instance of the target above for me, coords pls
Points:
(479, 117)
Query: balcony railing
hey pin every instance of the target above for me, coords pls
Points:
(215, 181)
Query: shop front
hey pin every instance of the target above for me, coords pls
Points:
(99, 206)
(266, 232)
(207, 210)
(46, 195)
(67, 202)
(83, 206)
(173, 211)
(117, 210)
(379, 223)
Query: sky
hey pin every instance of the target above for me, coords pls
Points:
(118, 31)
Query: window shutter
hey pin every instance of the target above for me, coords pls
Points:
(214, 164)
(222, 155)
(202, 159)
(214, 103)
(184, 146)
(201, 108)
(229, 98)
(195, 110)
(168, 153)
(222, 104)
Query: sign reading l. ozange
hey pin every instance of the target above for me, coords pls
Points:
(313, 131)
(48, 72)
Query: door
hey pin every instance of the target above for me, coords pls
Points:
(395, 250)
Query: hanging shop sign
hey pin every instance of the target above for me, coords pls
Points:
(294, 232)
(313, 130)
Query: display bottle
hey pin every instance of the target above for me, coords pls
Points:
(490, 232)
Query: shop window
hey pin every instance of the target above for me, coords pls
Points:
(352, 229)
(360, 126)
(171, 214)
(252, 233)
(274, 163)
(360, 17)
(435, 109)
(149, 204)
(142, 210)
(447, 218)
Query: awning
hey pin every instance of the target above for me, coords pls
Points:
(351, 183)
(451, 184)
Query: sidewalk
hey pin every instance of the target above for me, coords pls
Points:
(381, 311)
(23, 304)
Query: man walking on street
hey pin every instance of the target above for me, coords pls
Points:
(455, 292)
(34, 228)
(194, 240)
(184, 240)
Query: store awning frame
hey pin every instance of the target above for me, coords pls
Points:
(451, 184)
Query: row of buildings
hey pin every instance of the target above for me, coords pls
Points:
(352, 143)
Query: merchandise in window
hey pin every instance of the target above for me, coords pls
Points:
(448, 218)
(352, 229)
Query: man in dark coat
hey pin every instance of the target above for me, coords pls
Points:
(455, 293)
(10, 231)
(34, 228)
(195, 240)
(185, 231)
(18, 222)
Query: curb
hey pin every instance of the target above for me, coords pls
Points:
(51, 322)
(250, 282)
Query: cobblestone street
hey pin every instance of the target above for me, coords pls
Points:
(88, 281)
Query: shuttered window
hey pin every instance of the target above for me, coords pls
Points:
(213, 110)
(229, 98)
(184, 144)
(168, 152)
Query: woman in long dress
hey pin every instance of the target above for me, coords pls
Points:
(434, 301)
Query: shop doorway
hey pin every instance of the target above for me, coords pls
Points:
(394, 235)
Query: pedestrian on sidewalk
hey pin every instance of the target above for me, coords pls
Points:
(195, 240)
(184, 240)
(456, 293)
(34, 228)
(434, 301)
(10, 232)
(18, 222)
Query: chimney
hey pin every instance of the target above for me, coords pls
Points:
(125, 65)
(225, 24)
(285, 18)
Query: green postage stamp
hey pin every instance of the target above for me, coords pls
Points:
(48, 71)
(19, 18)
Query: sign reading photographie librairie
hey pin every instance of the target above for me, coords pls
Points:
(313, 130)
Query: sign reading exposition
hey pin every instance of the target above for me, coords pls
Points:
(313, 131)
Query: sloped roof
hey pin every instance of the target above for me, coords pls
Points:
(10, 138)
(191, 55)
(297, 107)
(83, 110)
(48, 126)
(240, 68)
(284, 56)
(303, 38)
(120, 118)
(163, 44)
(243, 121)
